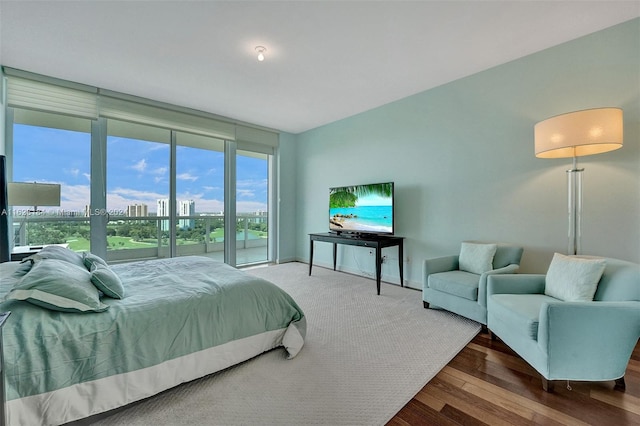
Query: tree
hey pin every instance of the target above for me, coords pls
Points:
(123, 230)
(347, 196)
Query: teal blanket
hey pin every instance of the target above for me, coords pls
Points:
(173, 307)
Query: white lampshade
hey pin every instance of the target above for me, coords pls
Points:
(33, 194)
(580, 133)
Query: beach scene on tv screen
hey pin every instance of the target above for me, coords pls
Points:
(361, 208)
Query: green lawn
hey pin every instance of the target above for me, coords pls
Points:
(78, 244)
(115, 243)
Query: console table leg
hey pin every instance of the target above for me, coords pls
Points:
(310, 256)
(400, 265)
(335, 255)
(378, 267)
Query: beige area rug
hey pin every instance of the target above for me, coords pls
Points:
(364, 358)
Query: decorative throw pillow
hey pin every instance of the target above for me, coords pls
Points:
(476, 258)
(23, 268)
(58, 285)
(57, 252)
(107, 281)
(89, 259)
(572, 278)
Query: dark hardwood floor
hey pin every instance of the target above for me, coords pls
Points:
(487, 383)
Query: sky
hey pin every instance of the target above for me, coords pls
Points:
(137, 171)
(374, 200)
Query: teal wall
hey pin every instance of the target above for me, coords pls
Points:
(461, 156)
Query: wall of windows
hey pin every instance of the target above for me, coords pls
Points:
(140, 179)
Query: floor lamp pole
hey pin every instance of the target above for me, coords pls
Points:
(574, 191)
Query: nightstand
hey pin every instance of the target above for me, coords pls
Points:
(21, 252)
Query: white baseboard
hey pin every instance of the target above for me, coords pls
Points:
(354, 271)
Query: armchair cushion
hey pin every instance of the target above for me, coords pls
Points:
(573, 279)
(457, 283)
(477, 258)
(522, 312)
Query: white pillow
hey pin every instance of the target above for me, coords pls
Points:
(476, 258)
(572, 278)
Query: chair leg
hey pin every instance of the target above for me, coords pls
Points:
(425, 304)
(547, 385)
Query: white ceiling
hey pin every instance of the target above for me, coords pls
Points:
(325, 60)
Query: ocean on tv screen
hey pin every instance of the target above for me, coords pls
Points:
(362, 218)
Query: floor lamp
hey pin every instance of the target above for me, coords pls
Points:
(577, 134)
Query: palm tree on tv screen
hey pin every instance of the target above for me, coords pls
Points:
(347, 196)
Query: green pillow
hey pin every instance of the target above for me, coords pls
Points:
(57, 252)
(89, 259)
(107, 281)
(58, 285)
(23, 268)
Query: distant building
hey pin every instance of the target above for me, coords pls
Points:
(187, 208)
(261, 216)
(163, 210)
(137, 210)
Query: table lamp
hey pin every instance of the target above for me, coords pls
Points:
(32, 194)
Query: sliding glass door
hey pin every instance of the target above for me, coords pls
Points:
(137, 193)
(199, 195)
(252, 208)
(50, 148)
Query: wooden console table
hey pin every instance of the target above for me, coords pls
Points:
(377, 242)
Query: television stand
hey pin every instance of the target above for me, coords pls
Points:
(377, 242)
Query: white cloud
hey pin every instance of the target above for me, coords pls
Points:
(74, 197)
(73, 172)
(155, 146)
(140, 165)
(245, 193)
(250, 206)
(252, 183)
(187, 176)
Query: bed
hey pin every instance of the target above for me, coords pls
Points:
(177, 320)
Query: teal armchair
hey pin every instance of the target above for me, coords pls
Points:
(569, 340)
(447, 284)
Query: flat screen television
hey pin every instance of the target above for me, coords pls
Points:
(361, 209)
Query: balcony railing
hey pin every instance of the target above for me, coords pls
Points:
(144, 237)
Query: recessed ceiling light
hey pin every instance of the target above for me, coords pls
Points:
(261, 50)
